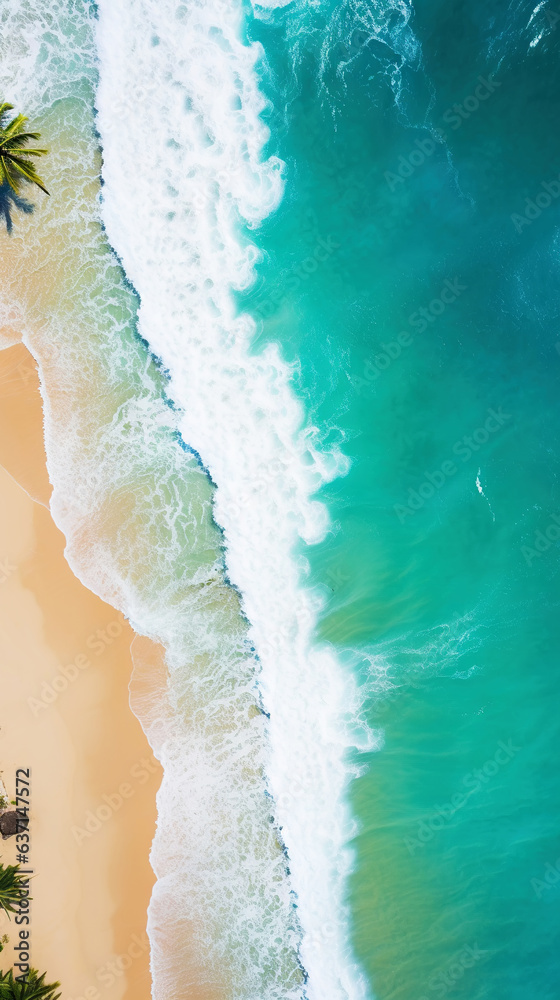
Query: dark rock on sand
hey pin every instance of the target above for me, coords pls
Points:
(8, 824)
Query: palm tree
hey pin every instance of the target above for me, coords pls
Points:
(15, 166)
(11, 888)
(34, 989)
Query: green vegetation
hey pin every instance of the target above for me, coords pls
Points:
(34, 988)
(10, 889)
(15, 165)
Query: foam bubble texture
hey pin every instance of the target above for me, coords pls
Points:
(197, 135)
(179, 113)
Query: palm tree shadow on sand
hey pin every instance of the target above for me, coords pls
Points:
(9, 201)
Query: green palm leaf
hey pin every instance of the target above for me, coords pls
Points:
(19, 141)
(15, 125)
(34, 989)
(15, 165)
(10, 888)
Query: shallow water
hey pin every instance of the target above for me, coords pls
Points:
(303, 432)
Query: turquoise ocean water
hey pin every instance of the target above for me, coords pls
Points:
(336, 293)
(442, 570)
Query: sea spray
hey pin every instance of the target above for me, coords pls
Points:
(136, 507)
(181, 225)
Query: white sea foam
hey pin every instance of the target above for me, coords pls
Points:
(179, 108)
(179, 116)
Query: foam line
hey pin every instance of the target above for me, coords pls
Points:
(179, 180)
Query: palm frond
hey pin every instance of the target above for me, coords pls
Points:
(18, 140)
(9, 151)
(26, 169)
(15, 165)
(16, 125)
(11, 888)
(6, 176)
(34, 989)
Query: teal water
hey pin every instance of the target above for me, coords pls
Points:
(441, 570)
(409, 275)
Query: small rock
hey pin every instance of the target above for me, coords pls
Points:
(8, 824)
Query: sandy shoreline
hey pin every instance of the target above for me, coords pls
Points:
(65, 714)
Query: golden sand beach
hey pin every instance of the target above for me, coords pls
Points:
(65, 716)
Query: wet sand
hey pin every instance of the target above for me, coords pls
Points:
(65, 715)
